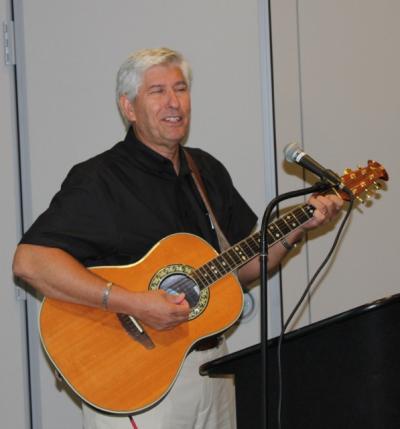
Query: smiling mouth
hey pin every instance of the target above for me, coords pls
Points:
(175, 119)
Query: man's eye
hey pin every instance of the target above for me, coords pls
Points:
(156, 90)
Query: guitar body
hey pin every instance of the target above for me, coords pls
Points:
(108, 368)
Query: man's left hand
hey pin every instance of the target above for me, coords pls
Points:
(327, 208)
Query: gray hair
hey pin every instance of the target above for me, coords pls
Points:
(130, 74)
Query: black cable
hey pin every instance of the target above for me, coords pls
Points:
(317, 187)
(297, 306)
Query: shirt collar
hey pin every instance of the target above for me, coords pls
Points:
(152, 160)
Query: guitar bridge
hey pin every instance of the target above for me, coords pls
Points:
(135, 331)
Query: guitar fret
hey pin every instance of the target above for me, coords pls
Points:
(275, 232)
(256, 239)
(247, 249)
(209, 273)
(230, 263)
(234, 256)
(299, 214)
(214, 269)
(270, 237)
(303, 214)
(205, 276)
(254, 246)
(283, 226)
(222, 265)
(239, 252)
(290, 221)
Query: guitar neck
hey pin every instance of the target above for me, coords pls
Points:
(242, 252)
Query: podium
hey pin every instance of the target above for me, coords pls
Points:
(342, 372)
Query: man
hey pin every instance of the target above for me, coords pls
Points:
(113, 208)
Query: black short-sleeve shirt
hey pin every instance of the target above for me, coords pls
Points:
(114, 207)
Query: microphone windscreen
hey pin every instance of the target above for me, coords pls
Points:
(291, 151)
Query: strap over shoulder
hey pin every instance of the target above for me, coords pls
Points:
(223, 242)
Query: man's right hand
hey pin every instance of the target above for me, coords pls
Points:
(161, 310)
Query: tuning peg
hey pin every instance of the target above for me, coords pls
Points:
(359, 199)
(368, 202)
(347, 171)
(377, 185)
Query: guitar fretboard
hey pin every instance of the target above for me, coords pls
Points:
(247, 249)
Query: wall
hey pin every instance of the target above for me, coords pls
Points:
(336, 74)
(14, 387)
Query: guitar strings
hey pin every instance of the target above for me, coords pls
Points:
(236, 256)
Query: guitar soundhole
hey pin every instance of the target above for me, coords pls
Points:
(175, 279)
(178, 283)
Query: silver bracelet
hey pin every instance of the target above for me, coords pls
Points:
(106, 294)
(287, 245)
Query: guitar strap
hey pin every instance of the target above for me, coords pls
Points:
(222, 240)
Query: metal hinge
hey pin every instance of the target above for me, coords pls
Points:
(9, 43)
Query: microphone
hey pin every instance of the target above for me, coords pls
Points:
(294, 153)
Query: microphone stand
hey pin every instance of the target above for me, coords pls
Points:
(317, 187)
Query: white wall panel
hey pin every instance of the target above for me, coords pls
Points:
(336, 74)
(351, 110)
(14, 386)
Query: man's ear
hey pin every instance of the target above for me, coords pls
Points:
(127, 109)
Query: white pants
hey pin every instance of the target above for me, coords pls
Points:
(194, 402)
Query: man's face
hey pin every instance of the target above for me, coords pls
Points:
(161, 109)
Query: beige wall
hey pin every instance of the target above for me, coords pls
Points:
(336, 74)
(14, 404)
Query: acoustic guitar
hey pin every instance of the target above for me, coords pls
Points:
(116, 363)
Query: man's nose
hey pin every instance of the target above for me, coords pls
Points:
(173, 99)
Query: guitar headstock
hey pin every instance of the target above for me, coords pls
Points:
(361, 179)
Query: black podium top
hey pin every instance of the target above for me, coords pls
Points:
(341, 372)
